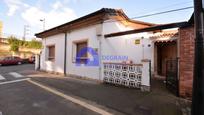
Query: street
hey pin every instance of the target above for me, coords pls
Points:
(24, 98)
(27, 92)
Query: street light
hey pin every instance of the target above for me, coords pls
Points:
(43, 20)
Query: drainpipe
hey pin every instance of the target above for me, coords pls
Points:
(65, 53)
(39, 60)
(143, 45)
(100, 52)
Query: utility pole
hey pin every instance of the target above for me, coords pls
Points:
(25, 31)
(198, 79)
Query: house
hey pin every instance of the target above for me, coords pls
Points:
(64, 42)
(173, 55)
(119, 48)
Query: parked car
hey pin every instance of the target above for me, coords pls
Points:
(31, 59)
(13, 60)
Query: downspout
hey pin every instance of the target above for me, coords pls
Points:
(100, 52)
(39, 60)
(65, 53)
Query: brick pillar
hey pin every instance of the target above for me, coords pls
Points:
(186, 61)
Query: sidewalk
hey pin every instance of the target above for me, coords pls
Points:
(124, 100)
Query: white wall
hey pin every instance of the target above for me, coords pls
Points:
(58, 64)
(123, 46)
(89, 34)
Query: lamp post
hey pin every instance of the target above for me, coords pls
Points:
(43, 20)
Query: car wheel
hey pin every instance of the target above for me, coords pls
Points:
(19, 63)
(0, 64)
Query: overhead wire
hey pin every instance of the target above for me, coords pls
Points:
(153, 14)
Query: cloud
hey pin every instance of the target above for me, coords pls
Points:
(14, 5)
(57, 5)
(59, 14)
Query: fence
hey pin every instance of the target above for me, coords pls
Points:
(129, 75)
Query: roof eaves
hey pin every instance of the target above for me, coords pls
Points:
(134, 21)
(103, 10)
(148, 29)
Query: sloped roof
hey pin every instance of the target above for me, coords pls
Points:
(183, 24)
(90, 19)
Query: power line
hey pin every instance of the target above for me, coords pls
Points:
(153, 14)
(176, 4)
(164, 12)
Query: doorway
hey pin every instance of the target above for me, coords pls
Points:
(165, 51)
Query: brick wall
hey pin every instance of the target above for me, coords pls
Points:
(186, 61)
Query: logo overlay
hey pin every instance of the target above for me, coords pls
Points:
(89, 57)
(93, 60)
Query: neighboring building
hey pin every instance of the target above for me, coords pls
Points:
(23, 52)
(102, 31)
(1, 29)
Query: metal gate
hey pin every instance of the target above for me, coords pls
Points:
(172, 76)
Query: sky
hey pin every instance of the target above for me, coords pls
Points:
(15, 14)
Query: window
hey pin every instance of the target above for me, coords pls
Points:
(82, 58)
(51, 53)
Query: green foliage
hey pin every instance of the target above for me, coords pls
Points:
(16, 43)
(34, 44)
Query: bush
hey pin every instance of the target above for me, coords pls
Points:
(16, 43)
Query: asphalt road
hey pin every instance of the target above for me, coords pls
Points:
(16, 68)
(24, 98)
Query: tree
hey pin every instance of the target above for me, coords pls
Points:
(14, 43)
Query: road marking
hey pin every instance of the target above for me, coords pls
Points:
(1, 77)
(14, 81)
(16, 75)
(72, 99)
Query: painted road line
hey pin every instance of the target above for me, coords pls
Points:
(14, 81)
(1, 77)
(16, 75)
(72, 99)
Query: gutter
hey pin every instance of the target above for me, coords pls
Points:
(100, 37)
